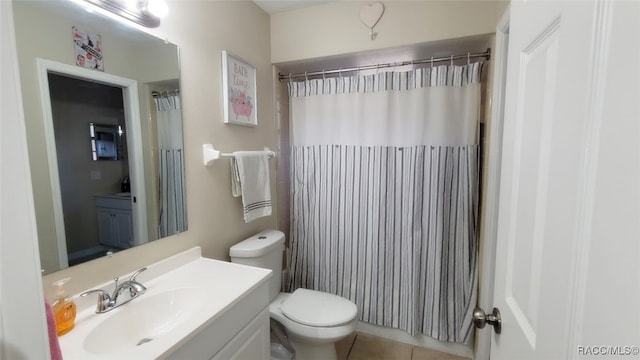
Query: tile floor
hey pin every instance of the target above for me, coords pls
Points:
(361, 346)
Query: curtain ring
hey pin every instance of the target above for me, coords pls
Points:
(340, 73)
(452, 60)
(290, 77)
(305, 76)
(323, 77)
(432, 62)
(468, 59)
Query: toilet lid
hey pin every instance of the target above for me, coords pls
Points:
(316, 308)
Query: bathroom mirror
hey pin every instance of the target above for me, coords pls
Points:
(106, 141)
(76, 116)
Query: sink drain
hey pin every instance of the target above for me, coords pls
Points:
(143, 341)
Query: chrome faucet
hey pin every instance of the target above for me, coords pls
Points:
(108, 302)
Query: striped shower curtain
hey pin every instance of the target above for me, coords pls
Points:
(171, 187)
(384, 195)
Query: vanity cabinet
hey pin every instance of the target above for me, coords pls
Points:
(115, 221)
(252, 342)
(241, 331)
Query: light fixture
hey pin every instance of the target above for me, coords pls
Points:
(157, 8)
(144, 12)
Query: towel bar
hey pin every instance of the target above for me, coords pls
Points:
(209, 154)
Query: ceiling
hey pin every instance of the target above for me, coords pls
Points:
(276, 6)
(423, 51)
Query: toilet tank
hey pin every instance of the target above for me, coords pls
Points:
(262, 250)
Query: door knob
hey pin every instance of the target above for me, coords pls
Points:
(480, 319)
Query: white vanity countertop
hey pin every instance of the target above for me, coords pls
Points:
(123, 195)
(217, 286)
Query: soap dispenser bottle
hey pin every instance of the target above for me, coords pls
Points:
(64, 309)
(125, 185)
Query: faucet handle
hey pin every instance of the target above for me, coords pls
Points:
(101, 293)
(104, 300)
(133, 277)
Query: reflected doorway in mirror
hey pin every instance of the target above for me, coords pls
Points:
(70, 95)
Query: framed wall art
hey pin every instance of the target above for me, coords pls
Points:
(238, 91)
(88, 49)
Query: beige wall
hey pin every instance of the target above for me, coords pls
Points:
(335, 28)
(202, 29)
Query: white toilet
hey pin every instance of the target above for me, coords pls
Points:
(314, 320)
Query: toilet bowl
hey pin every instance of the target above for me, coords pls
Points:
(314, 320)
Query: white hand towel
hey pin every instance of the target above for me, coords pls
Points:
(250, 178)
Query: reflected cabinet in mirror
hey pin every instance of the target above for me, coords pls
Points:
(104, 134)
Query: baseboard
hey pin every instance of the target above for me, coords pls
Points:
(421, 341)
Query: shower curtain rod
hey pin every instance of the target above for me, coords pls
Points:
(486, 54)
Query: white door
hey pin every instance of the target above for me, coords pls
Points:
(23, 324)
(567, 279)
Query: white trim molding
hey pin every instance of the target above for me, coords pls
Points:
(587, 187)
(134, 145)
(491, 200)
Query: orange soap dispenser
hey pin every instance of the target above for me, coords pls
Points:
(64, 309)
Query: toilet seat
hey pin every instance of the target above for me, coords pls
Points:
(316, 308)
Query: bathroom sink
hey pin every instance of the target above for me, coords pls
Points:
(144, 320)
(192, 305)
